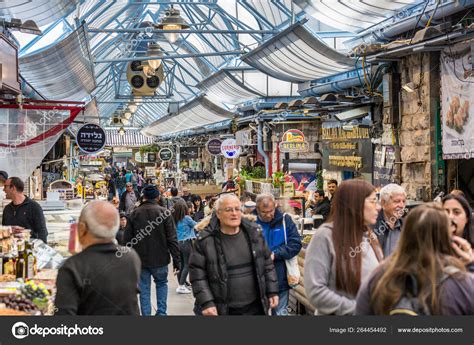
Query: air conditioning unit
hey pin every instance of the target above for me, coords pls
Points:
(143, 79)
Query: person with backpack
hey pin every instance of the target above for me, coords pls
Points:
(423, 276)
(343, 251)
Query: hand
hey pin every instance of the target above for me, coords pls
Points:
(273, 256)
(176, 271)
(463, 249)
(273, 301)
(212, 311)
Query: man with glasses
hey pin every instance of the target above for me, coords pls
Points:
(389, 222)
(22, 211)
(284, 241)
(231, 269)
(128, 200)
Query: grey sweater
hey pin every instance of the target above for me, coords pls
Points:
(320, 273)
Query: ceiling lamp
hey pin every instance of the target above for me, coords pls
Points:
(172, 21)
(28, 27)
(132, 107)
(121, 131)
(127, 115)
(125, 122)
(154, 49)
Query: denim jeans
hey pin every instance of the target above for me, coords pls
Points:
(160, 276)
(185, 252)
(281, 310)
(121, 191)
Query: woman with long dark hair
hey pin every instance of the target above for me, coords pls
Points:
(185, 231)
(198, 207)
(423, 275)
(460, 215)
(344, 250)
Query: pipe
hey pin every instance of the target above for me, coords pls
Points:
(336, 86)
(396, 25)
(261, 150)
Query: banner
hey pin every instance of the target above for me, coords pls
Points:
(384, 165)
(457, 102)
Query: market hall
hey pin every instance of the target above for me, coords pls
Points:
(241, 157)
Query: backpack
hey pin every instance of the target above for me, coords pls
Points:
(409, 304)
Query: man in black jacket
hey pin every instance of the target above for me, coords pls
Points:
(103, 278)
(152, 233)
(23, 211)
(231, 269)
(323, 205)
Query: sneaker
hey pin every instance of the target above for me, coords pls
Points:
(183, 290)
(188, 285)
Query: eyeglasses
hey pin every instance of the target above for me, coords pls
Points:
(374, 201)
(230, 210)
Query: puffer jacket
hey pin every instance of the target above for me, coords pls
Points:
(208, 270)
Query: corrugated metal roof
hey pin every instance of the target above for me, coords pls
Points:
(63, 71)
(43, 12)
(197, 113)
(353, 16)
(227, 88)
(131, 138)
(296, 55)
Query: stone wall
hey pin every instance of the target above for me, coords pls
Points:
(417, 114)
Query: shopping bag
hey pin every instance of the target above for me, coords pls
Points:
(293, 273)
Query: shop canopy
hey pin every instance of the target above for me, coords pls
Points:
(296, 55)
(131, 138)
(353, 16)
(226, 86)
(197, 113)
(63, 71)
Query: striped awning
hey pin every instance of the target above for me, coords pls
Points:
(131, 138)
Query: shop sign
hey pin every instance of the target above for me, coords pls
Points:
(293, 141)
(213, 146)
(90, 138)
(151, 157)
(244, 137)
(165, 154)
(457, 102)
(347, 149)
(384, 165)
(189, 152)
(230, 149)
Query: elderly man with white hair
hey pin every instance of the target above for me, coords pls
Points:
(102, 279)
(389, 222)
(231, 268)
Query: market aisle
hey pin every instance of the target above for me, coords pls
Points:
(177, 304)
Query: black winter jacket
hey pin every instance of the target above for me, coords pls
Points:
(152, 233)
(208, 270)
(29, 215)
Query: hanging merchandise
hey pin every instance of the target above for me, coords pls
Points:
(230, 149)
(457, 102)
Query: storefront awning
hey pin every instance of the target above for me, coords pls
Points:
(227, 87)
(296, 55)
(197, 113)
(353, 16)
(63, 71)
(131, 138)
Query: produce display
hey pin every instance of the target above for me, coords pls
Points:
(19, 303)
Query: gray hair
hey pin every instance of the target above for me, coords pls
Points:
(264, 198)
(101, 218)
(391, 189)
(224, 197)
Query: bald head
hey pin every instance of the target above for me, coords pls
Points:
(101, 219)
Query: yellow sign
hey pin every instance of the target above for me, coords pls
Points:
(338, 133)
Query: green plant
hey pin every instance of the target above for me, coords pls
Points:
(148, 148)
(278, 178)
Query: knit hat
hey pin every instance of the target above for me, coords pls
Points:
(150, 192)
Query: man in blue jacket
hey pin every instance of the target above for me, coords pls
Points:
(271, 220)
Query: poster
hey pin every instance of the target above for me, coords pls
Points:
(457, 102)
(384, 165)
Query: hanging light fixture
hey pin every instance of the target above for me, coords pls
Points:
(132, 107)
(121, 131)
(127, 115)
(172, 21)
(154, 49)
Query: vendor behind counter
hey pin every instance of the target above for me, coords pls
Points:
(22, 211)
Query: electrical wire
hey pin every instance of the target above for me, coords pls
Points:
(418, 21)
(432, 14)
